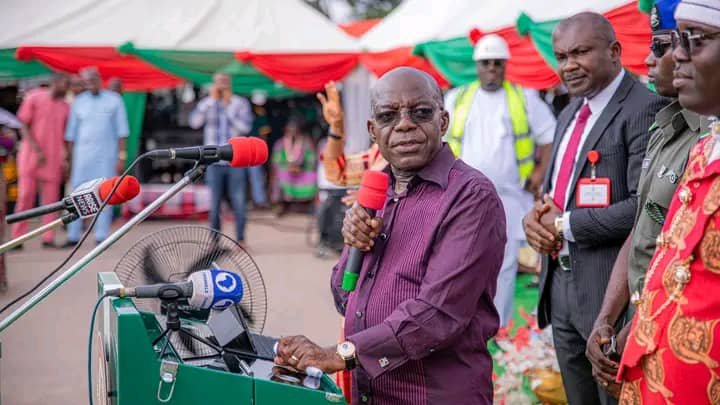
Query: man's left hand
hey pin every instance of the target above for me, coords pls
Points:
(548, 218)
(300, 353)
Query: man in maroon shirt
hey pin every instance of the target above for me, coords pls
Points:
(418, 322)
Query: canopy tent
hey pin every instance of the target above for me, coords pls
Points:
(389, 44)
(357, 29)
(70, 35)
(532, 57)
(287, 41)
(275, 47)
(264, 45)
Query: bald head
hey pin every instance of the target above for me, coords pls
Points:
(408, 119)
(587, 53)
(413, 76)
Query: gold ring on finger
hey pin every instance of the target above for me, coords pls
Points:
(294, 359)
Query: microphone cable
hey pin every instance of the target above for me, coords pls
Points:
(82, 239)
(90, 345)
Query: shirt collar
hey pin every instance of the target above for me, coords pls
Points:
(695, 121)
(438, 170)
(601, 100)
(666, 114)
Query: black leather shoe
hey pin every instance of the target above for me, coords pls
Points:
(68, 244)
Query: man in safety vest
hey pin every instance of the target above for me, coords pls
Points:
(506, 132)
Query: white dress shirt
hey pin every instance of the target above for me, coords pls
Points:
(597, 104)
(489, 146)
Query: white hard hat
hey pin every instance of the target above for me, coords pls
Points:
(491, 47)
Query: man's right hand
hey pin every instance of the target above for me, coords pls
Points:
(359, 230)
(332, 108)
(538, 237)
(604, 370)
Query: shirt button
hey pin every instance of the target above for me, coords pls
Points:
(395, 199)
(383, 236)
(358, 314)
(364, 398)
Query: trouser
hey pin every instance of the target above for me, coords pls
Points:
(27, 189)
(227, 183)
(330, 215)
(506, 281)
(257, 184)
(102, 226)
(580, 386)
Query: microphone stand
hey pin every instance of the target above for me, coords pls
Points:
(64, 220)
(192, 175)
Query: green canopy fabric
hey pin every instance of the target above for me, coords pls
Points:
(135, 108)
(453, 58)
(198, 67)
(541, 35)
(13, 69)
(632, 29)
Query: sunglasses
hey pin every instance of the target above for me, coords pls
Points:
(492, 62)
(418, 115)
(659, 47)
(688, 41)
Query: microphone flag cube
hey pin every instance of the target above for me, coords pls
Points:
(86, 198)
(216, 289)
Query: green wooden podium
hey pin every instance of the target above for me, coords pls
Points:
(127, 370)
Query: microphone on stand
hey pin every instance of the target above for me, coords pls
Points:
(206, 289)
(240, 151)
(86, 199)
(371, 196)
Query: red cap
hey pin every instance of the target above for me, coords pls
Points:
(248, 151)
(373, 189)
(127, 190)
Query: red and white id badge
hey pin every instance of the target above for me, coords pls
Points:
(595, 191)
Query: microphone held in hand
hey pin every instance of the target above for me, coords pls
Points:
(371, 196)
(86, 199)
(240, 152)
(216, 289)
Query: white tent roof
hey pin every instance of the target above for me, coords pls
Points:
(261, 26)
(416, 21)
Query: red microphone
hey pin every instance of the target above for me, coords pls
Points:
(240, 151)
(86, 199)
(371, 196)
(128, 189)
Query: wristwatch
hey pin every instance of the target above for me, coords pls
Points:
(559, 226)
(346, 351)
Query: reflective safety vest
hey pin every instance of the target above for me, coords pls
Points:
(524, 145)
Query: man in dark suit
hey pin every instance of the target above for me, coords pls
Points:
(582, 222)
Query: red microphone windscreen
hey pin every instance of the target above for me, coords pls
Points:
(373, 189)
(248, 151)
(127, 190)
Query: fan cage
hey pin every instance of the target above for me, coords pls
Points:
(172, 254)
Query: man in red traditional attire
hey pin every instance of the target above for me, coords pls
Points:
(672, 354)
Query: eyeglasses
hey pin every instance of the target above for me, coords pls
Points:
(418, 115)
(688, 41)
(492, 62)
(659, 47)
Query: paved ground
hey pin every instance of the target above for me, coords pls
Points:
(44, 353)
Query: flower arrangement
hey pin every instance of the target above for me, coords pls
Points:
(526, 365)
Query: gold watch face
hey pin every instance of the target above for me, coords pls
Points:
(346, 350)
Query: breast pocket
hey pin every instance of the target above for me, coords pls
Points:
(613, 162)
(663, 183)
